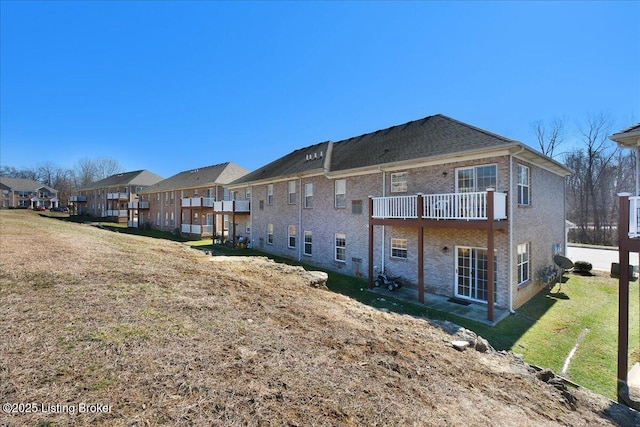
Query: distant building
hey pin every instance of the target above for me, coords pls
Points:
(110, 197)
(196, 203)
(27, 194)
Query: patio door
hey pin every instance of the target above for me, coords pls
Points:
(472, 273)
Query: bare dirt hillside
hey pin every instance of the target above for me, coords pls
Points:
(104, 328)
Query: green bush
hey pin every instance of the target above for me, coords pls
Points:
(582, 267)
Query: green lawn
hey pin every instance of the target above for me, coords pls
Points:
(544, 330)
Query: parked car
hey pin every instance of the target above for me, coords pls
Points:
(39, 208)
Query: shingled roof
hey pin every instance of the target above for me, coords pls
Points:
(219, 174)
(302, 161)
(427, 138)
(419, 139)
(629, 137)
(23, 184)
(142, 178)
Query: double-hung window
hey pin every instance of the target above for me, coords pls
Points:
(341, 246)
(269, 194)
(308, 196)
(308, 243)
(340, 193)
(292, 236)
(524, 188)
(478, 178)
(523, 263)
(270, 234)
(399, 182)
(399, 248)
(292, 192)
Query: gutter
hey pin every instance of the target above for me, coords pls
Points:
(522, 148)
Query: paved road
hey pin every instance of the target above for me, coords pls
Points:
(601, 259)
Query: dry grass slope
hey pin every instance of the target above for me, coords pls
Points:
(168, 337)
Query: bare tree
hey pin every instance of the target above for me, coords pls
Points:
(91, 170)
(550, 136)
(592, 187)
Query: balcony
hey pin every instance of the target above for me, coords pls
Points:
(228, 206)
(634, 217)
(451, 206)
(138, 205)
(201, 230)
(117, 196)
(77, 199)
(120, 213)
(196, 202)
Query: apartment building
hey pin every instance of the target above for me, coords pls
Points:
(197, 204)
(27, 194)
(114, 197)
(449, 208)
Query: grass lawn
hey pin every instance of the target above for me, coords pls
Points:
(544, 330)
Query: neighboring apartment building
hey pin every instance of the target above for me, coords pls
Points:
(111, 197)
(197, 204)
(27, 194)
(427, 200)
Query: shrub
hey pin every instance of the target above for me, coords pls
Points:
(582, 267)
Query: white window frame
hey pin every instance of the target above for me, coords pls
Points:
(308, 195)
(524, 263)
(474, 178)
(247, 193)
(308, 243)
(291, 240)
(291, 189)
(399, 248)
(269, 194)
(340, 193)
(269, 234)
(340, 243)
(524, 185)
(399, 182)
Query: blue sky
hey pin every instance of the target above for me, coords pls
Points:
(170, 86)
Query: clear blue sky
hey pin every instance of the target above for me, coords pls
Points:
(171, 86)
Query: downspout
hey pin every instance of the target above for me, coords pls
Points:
(384, 187)
(511, 310)
(300, 234)
(251, 216)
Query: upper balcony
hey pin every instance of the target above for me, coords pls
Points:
(117, 196)
(138, 205)
(77, 199)
(634, 217)
(452, 206)
(196, 202)
(231, 206)
(120, 213)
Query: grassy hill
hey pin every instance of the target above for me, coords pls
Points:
(159, 334)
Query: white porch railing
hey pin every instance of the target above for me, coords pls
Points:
(227, 206)
(122, 213)
(207, 230)
(138, 205)
(634, 216)
(78, 198)
(117, 196)
(459, 206)
(191, 229)
(132, 223)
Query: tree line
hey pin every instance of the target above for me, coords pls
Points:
(600, 168)
(66, 180)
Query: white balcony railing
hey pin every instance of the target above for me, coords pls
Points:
(138, 205)
(78, 198)
(459, 206)
(121, 213)
(227, 206)
(634, 216)
(132, 223)
(193, 228)
(207, 230)
(117, 196)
